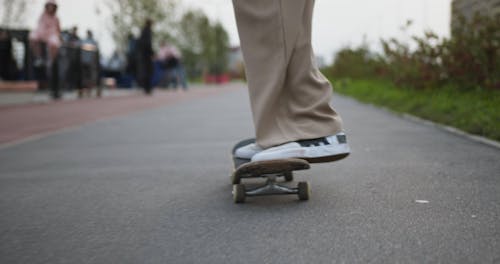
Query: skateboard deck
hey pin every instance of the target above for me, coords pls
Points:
(271, 171)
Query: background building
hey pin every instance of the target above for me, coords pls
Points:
(468, 8)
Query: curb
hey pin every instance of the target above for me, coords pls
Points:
(452, 130)
(415, 119)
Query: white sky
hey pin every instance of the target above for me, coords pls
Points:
(337, 23)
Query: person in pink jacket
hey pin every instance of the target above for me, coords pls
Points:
(48, 31)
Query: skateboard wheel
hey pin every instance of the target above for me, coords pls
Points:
(304, 189)
(288, 176)
(235, 180)
(239, 193)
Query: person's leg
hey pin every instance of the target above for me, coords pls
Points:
(148, 87)
(182, 76)
(168, 77)
(289, 96)
(53, 44)
(176, 78)
(143, 74)
(171, 78)
(36, 47)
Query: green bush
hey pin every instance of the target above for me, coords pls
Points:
(453, 81)
(356, 63)
(477, 112)
(470, 59)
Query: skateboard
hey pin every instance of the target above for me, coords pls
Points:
(271, 171)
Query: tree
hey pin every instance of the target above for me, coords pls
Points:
(190, 41)
(13, 12)
(221, 48)
(204, 43)
(128, 16)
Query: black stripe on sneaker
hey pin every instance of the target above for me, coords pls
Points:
(313, 142)
(342, 139)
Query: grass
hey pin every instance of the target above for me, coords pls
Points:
(476, 112)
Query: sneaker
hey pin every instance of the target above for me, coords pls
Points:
(318, 150)
(248, 151)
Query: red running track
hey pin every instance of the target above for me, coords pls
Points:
(19, 123)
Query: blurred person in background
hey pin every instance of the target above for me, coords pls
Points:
(48, 32)
(171, 60)
(89, 58)
(115, 66)
(74, 39)
(8, 66)
(89, 39)
(145, 55)
(131, 55)
(73, 74)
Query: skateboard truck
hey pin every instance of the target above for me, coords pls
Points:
(271, 187)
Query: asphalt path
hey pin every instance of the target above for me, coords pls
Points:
(154, 187)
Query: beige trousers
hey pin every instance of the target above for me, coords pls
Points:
(290, 98)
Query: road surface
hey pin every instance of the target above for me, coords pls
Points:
(152, 186)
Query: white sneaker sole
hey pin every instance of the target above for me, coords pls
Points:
(317, 154)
